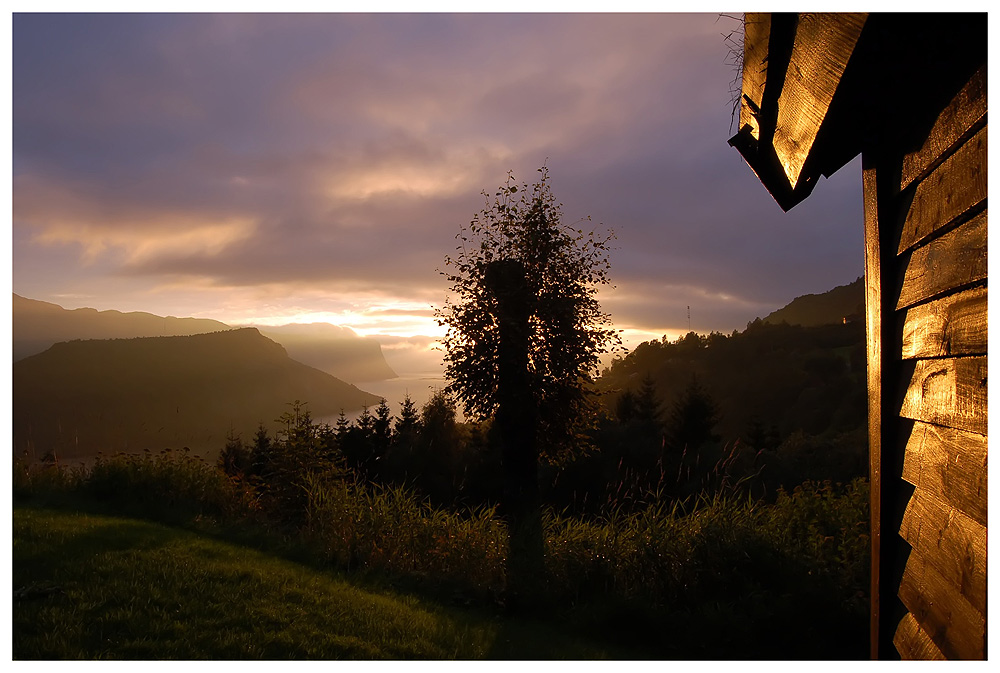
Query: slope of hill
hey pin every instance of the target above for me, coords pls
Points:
(840, 303)
(329, 348)
(336, 350)
(81, 397)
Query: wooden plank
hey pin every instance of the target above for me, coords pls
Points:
(823, 45)
(953, 325)
(873, 328)
(756, 29)
(951, 542)
(913, 643)
(949, 392)
(953, 188)
(955, 259)
(951, 463)
(957, 628)
(966, 111)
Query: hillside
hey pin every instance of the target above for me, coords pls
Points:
(81, 397)
(828, 308)
(332, 349)
(39, 324)
(329, 348)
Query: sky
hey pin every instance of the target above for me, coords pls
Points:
(278, 168)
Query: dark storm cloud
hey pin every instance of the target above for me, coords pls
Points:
(344, 152)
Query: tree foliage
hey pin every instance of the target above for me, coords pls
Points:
(564, 267)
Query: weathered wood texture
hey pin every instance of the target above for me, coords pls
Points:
(953, 325)
(873, 327)
(950, 463)
(966, 112)
(823, 45)
(954, 625)
(942, 311)
(913, 642)
(757, 26)
(951, 542)
(953, 188)
(956, 259)
(949, 392)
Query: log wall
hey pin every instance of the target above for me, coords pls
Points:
(926, 268)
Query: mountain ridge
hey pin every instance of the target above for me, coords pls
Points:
(338, 351)
(82, 397)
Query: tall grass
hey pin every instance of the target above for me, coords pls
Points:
(710, 566)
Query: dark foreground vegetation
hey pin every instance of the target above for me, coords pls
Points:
(267, 554)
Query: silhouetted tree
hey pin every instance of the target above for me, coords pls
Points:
(625, 407)
(692, 419)
(525, 333)
(647, 406)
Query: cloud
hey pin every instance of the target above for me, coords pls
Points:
(238, 164)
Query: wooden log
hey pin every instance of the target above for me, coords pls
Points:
(951, 542)
(949, 392)
(954, 187)
(823, 45)
(913, 643)
(951, 261)
(953, 325)
(951, 463)
(966, 112)
(957, 628)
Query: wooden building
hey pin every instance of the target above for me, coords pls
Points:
(907, 92)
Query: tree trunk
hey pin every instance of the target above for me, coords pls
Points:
(516, 430)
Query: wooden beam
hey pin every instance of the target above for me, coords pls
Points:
(823, 46)
(954, 187)
(913, 642)
(756, 30)
(955, 626)
(951, 463)
(956, 259)
(965, 113)
(949, 392)
(874, 329)
(951, 542)
(953, 325)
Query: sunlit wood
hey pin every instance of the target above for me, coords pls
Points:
(823, 46)
(953, 325)
(913, 642)
(954, 187)
(950, 463)
(951, 542)
(954, 625)
(955, 259)
(966, 112)
(949, 392)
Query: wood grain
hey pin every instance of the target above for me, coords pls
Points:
(954, 187)
(949, 392)
(873, 328)
(953, 325)
(951, 463)
(957, 628)
(951, 542)
(950, 261)
(823, 45)
(966, 111)
(913, 643)
(757, 27)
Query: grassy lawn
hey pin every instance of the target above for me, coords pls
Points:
(101, 587)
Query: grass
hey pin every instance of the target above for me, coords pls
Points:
(103, 587)
(720, 577)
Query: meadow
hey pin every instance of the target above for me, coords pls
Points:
(167, 557)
